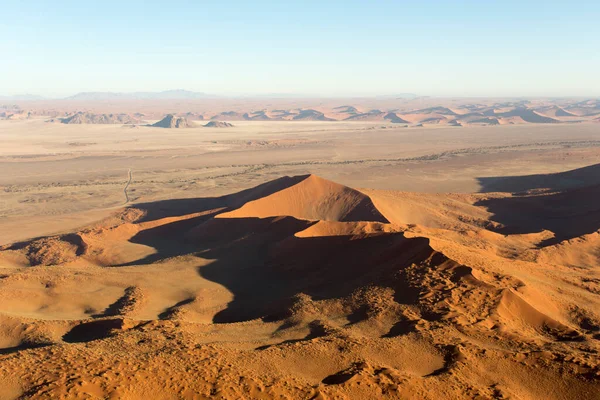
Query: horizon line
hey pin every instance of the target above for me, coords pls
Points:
(206, 95)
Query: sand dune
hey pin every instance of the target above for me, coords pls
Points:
(195, 106)
(527, 115)
(394, 118)
(555, 112)
(311, 115)
(436, 110)
(305, 288)
(476, 119)
(257, 116)
(568, 214)
(313, 198)
(346, 110)
(578, 178)
(367, 116)
(229, 116)
(218, 124)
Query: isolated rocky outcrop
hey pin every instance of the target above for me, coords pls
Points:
(172, 121)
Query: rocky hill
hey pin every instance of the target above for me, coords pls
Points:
(171, 121)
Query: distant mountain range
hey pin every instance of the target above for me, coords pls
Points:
(103, 96)
(166, 95)
(178, 94)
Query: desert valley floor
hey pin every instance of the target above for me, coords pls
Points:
(299, 260)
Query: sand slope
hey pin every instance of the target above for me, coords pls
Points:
(313, 198)
(305, 288)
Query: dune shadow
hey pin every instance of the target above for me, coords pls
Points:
(171, 310)
(23, 346)
(568, 214)
(564, 203)
(179, 207)
(94, 330)
(400, 328)
(572, 179)
(170, 239)
(265, 266)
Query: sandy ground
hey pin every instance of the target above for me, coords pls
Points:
(57, 177)
(299, 260)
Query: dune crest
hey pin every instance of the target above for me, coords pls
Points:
(313, 198)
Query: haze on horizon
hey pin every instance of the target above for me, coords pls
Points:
(341, 48)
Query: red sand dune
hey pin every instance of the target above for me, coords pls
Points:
(305, 288)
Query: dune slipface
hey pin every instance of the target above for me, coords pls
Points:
(305, 288)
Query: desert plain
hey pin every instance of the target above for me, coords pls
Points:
(307, 251)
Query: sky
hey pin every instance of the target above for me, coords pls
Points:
(323, 48)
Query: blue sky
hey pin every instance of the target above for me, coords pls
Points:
(328, 48)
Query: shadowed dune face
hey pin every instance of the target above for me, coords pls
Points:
(179, 207)
(567, 214)
(265, 265)
(563, 203)
(303, 283)
(528, 115)
(580, 177)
